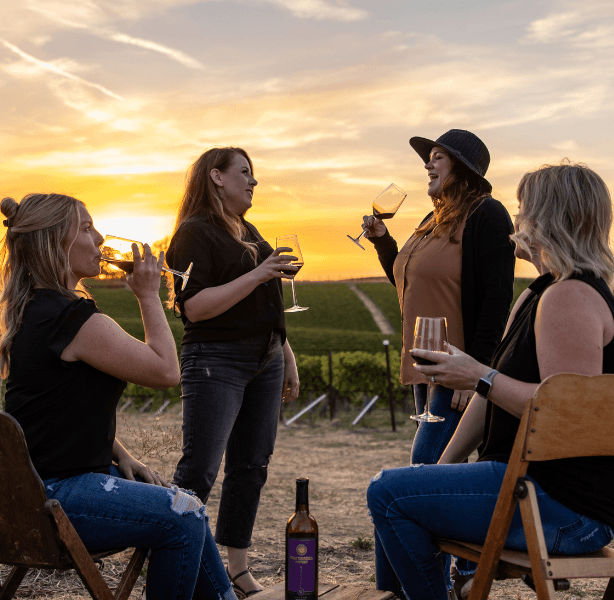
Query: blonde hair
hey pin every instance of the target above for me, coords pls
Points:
(566, 212)
(460, 193)
(32, 256)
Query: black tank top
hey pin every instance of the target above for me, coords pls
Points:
(584, 484)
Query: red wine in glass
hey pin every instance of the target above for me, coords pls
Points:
(429, 334)
(291, 241)
(384, 206)
(117, 252)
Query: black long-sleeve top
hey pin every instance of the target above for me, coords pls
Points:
(219, 259)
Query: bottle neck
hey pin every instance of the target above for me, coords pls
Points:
(302, 495)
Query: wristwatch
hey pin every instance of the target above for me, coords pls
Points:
(484, 385)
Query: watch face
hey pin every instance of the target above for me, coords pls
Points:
(482, 388)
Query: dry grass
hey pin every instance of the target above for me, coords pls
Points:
(339, 464)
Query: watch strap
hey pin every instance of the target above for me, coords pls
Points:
(485, 383)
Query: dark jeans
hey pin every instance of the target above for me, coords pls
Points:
(231, 393)
(109, 511)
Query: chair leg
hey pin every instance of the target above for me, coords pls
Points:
(12, 582)
(536, 543)
(609, 591)
(131, 574)
(81, 559)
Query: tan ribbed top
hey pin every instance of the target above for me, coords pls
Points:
(427, 272)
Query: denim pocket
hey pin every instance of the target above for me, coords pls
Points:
(583, 536)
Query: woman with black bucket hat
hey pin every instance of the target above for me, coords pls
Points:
(458, 264)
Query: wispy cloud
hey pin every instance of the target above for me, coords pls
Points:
(52, 68)
(320, 10)
(115, 36)
(588, 25)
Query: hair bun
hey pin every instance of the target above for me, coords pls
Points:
(9, 207)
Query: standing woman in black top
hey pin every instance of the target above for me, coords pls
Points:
(563, 323)
(236, 363)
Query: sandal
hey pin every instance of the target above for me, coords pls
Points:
(239, 591)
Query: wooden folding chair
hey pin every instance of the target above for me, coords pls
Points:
(36, 533)
(570, 415)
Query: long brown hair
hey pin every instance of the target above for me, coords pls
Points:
(461, 191)
(32, 256)
(202, 196)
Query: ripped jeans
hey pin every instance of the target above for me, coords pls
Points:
(231, 393)
(410, 505)
(111, 512)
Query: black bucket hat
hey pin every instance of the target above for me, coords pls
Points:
(464, 145)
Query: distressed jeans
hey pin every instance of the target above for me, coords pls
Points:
(410, 505)
(231, 393)
(112, 512)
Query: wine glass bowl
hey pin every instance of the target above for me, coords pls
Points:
(384, 206)
(291, 242)
(117, 252)
(430, 333)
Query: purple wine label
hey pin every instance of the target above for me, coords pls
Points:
(301, 566)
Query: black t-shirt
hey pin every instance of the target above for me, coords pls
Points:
(219, 259)
(66, 409)
(584, 484)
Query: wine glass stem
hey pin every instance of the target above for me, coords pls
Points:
(293, 292)
(361, 235)
(429, 391)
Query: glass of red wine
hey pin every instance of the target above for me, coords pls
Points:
(117, 252)
(291, 241)
(385, 206)
(429, 334)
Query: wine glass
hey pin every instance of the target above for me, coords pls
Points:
(385, 206)
(117, 252)
(429, 334)
(291, 241)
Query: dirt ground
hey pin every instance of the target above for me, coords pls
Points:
(339, 463)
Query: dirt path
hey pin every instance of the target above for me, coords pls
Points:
(376, 312)
(339, 464)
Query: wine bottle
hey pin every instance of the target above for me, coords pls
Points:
(302, 548)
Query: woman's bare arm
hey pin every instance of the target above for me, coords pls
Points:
(104, 345)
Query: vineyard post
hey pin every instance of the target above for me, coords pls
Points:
(390, 396)
(331, 395)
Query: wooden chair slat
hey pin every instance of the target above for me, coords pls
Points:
(563, 429)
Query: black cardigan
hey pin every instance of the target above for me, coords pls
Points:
(487, 275)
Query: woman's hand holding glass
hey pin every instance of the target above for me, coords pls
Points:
(145, 276)
(276, 265)
(373, 227)
(453, 369)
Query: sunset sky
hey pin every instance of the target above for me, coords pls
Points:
(112, 100)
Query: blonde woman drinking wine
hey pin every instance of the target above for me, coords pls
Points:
(67, 365)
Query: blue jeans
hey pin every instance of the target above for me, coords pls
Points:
(410, 505)
(431, 440)
(231, 392)
(112, 512)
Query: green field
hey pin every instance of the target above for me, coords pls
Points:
(336, 320)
